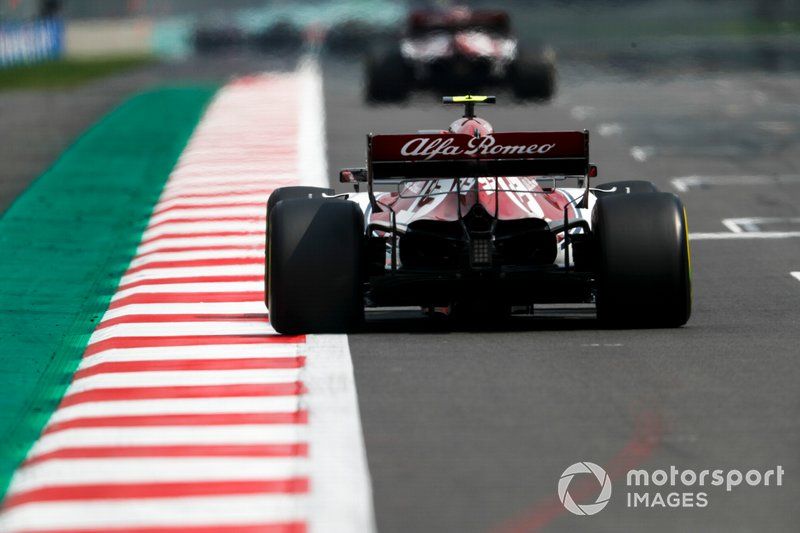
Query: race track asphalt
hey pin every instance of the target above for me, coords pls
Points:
(471, 430)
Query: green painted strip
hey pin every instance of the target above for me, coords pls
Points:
(65, 243)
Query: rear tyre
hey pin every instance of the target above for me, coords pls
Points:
(642, 260)
(287, 193)
(625, 187)
(533, 77)
(314, 273)
(388, 77)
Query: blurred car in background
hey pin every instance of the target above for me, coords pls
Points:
(213, 36)
(353, 36)
(459, 50)
(281, 36)
(339, 27)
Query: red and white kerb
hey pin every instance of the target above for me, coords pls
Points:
(188, 413)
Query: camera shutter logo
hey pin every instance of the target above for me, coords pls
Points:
(587, 509)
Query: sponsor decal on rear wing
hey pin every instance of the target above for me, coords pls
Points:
(443, 155)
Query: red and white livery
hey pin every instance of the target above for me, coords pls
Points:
(479, 222)
(459, 50)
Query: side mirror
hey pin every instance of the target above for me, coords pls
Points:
(353, 175)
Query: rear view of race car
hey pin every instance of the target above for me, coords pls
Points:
(459, 50)
(481, 222)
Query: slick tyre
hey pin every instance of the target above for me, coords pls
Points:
(388, 78)
(533, 78)
(643, 261)
(314, 275)
(625, 187)
(287, 193)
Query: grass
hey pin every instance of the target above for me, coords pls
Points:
(66, 72)
(66, 242)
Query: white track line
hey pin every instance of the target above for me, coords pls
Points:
(686, 183)
(311, 160)
(722, 236)
(795, 275)
(753, 224)
(342, 498)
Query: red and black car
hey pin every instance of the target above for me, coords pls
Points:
(480, 222)
(459, 50)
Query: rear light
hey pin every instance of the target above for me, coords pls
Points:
(480, 252)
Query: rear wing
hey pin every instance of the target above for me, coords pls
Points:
(451, 155)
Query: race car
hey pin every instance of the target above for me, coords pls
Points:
(480, 223)
(214, 37)
(458, 50)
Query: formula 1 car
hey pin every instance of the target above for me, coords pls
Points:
(458, 50)
(214, 37)
(480, 222)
